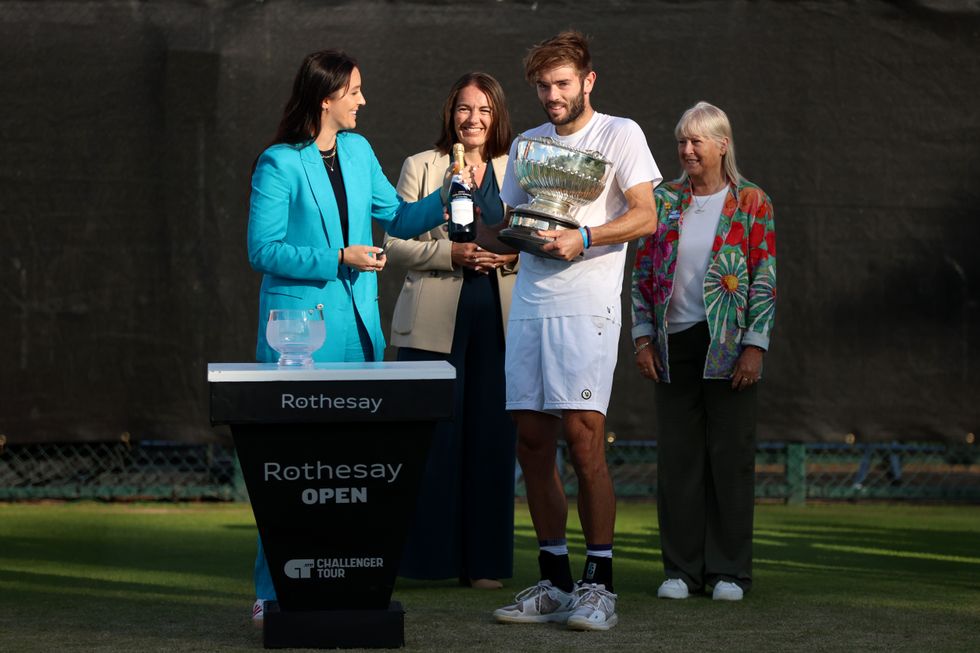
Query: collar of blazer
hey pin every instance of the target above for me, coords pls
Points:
(322, 189)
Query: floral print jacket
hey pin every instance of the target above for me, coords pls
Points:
(739, 287)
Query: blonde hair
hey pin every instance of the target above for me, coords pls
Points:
(708, 121)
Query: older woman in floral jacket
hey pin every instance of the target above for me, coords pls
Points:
(704, 294)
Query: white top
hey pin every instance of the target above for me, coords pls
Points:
(380, 371)
(591, 285)
(697, 235)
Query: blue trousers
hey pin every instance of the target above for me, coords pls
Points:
(359, 349)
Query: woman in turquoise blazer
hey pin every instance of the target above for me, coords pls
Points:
(296, 235)
(314, 194)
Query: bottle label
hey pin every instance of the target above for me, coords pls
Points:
(461, 210)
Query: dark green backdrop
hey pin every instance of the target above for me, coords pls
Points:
(128, 131)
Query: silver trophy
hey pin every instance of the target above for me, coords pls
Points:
(560, 179)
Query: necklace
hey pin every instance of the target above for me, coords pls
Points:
(329, 157)
(477, 169)
(699, 207)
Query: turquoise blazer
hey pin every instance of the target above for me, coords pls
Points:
(294, 236)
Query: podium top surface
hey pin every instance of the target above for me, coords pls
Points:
(380, 371)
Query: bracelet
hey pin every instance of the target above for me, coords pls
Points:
(585, 237)
(646, 344)
(589, 232)
(341, 255)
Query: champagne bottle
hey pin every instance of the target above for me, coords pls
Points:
(462, 226)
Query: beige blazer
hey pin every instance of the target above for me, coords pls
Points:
(425, 313)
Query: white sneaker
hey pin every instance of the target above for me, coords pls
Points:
(258, 612)
(725, 591)
(595, 608)
(673, 588)
(539, 603)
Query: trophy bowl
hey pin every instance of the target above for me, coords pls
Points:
(560, 179)
(295, 334)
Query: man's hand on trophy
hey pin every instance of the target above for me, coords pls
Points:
(566, 244)
(487, 235)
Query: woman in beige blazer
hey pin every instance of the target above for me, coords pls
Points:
(453, 306)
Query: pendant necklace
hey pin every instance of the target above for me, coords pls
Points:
(330, 157)
(698, 207)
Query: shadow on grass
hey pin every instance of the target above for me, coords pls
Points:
(159, 544)
(41, 583)
(915, 551)
(833, 579)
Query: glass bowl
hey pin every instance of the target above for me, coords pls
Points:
(295, 334)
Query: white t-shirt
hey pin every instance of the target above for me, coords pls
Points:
(592, 284)
(697, 235)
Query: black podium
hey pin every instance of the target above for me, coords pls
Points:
(332, 458)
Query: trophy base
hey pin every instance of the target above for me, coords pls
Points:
(522, 232)
(525, 240)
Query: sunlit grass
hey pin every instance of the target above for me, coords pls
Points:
(920, 555)
(164, 577)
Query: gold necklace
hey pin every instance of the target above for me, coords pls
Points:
(330, 157)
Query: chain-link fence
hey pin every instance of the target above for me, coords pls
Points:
(792, 472)
(795, 472)
(120, 470)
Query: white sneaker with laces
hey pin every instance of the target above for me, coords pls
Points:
(539, 603)
(725, 591)
(673, 588)
(258, 612)
(595, 608)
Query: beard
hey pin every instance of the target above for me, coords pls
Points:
(576, 107)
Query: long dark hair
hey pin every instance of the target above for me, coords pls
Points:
(500, 135)
(321, 75)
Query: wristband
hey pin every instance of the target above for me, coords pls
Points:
(342, 256)
(637, 350)
(585, 237)
(589, 233)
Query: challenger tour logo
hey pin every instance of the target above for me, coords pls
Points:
(301, 568)
(298, 568)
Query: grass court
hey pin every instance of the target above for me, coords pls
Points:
(177, 577)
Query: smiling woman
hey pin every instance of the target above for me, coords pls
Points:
(315, 192)
(453, 306)
(704, 293)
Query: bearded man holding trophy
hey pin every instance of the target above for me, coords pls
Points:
(581, 186)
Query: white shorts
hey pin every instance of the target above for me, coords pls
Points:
(561, 363)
